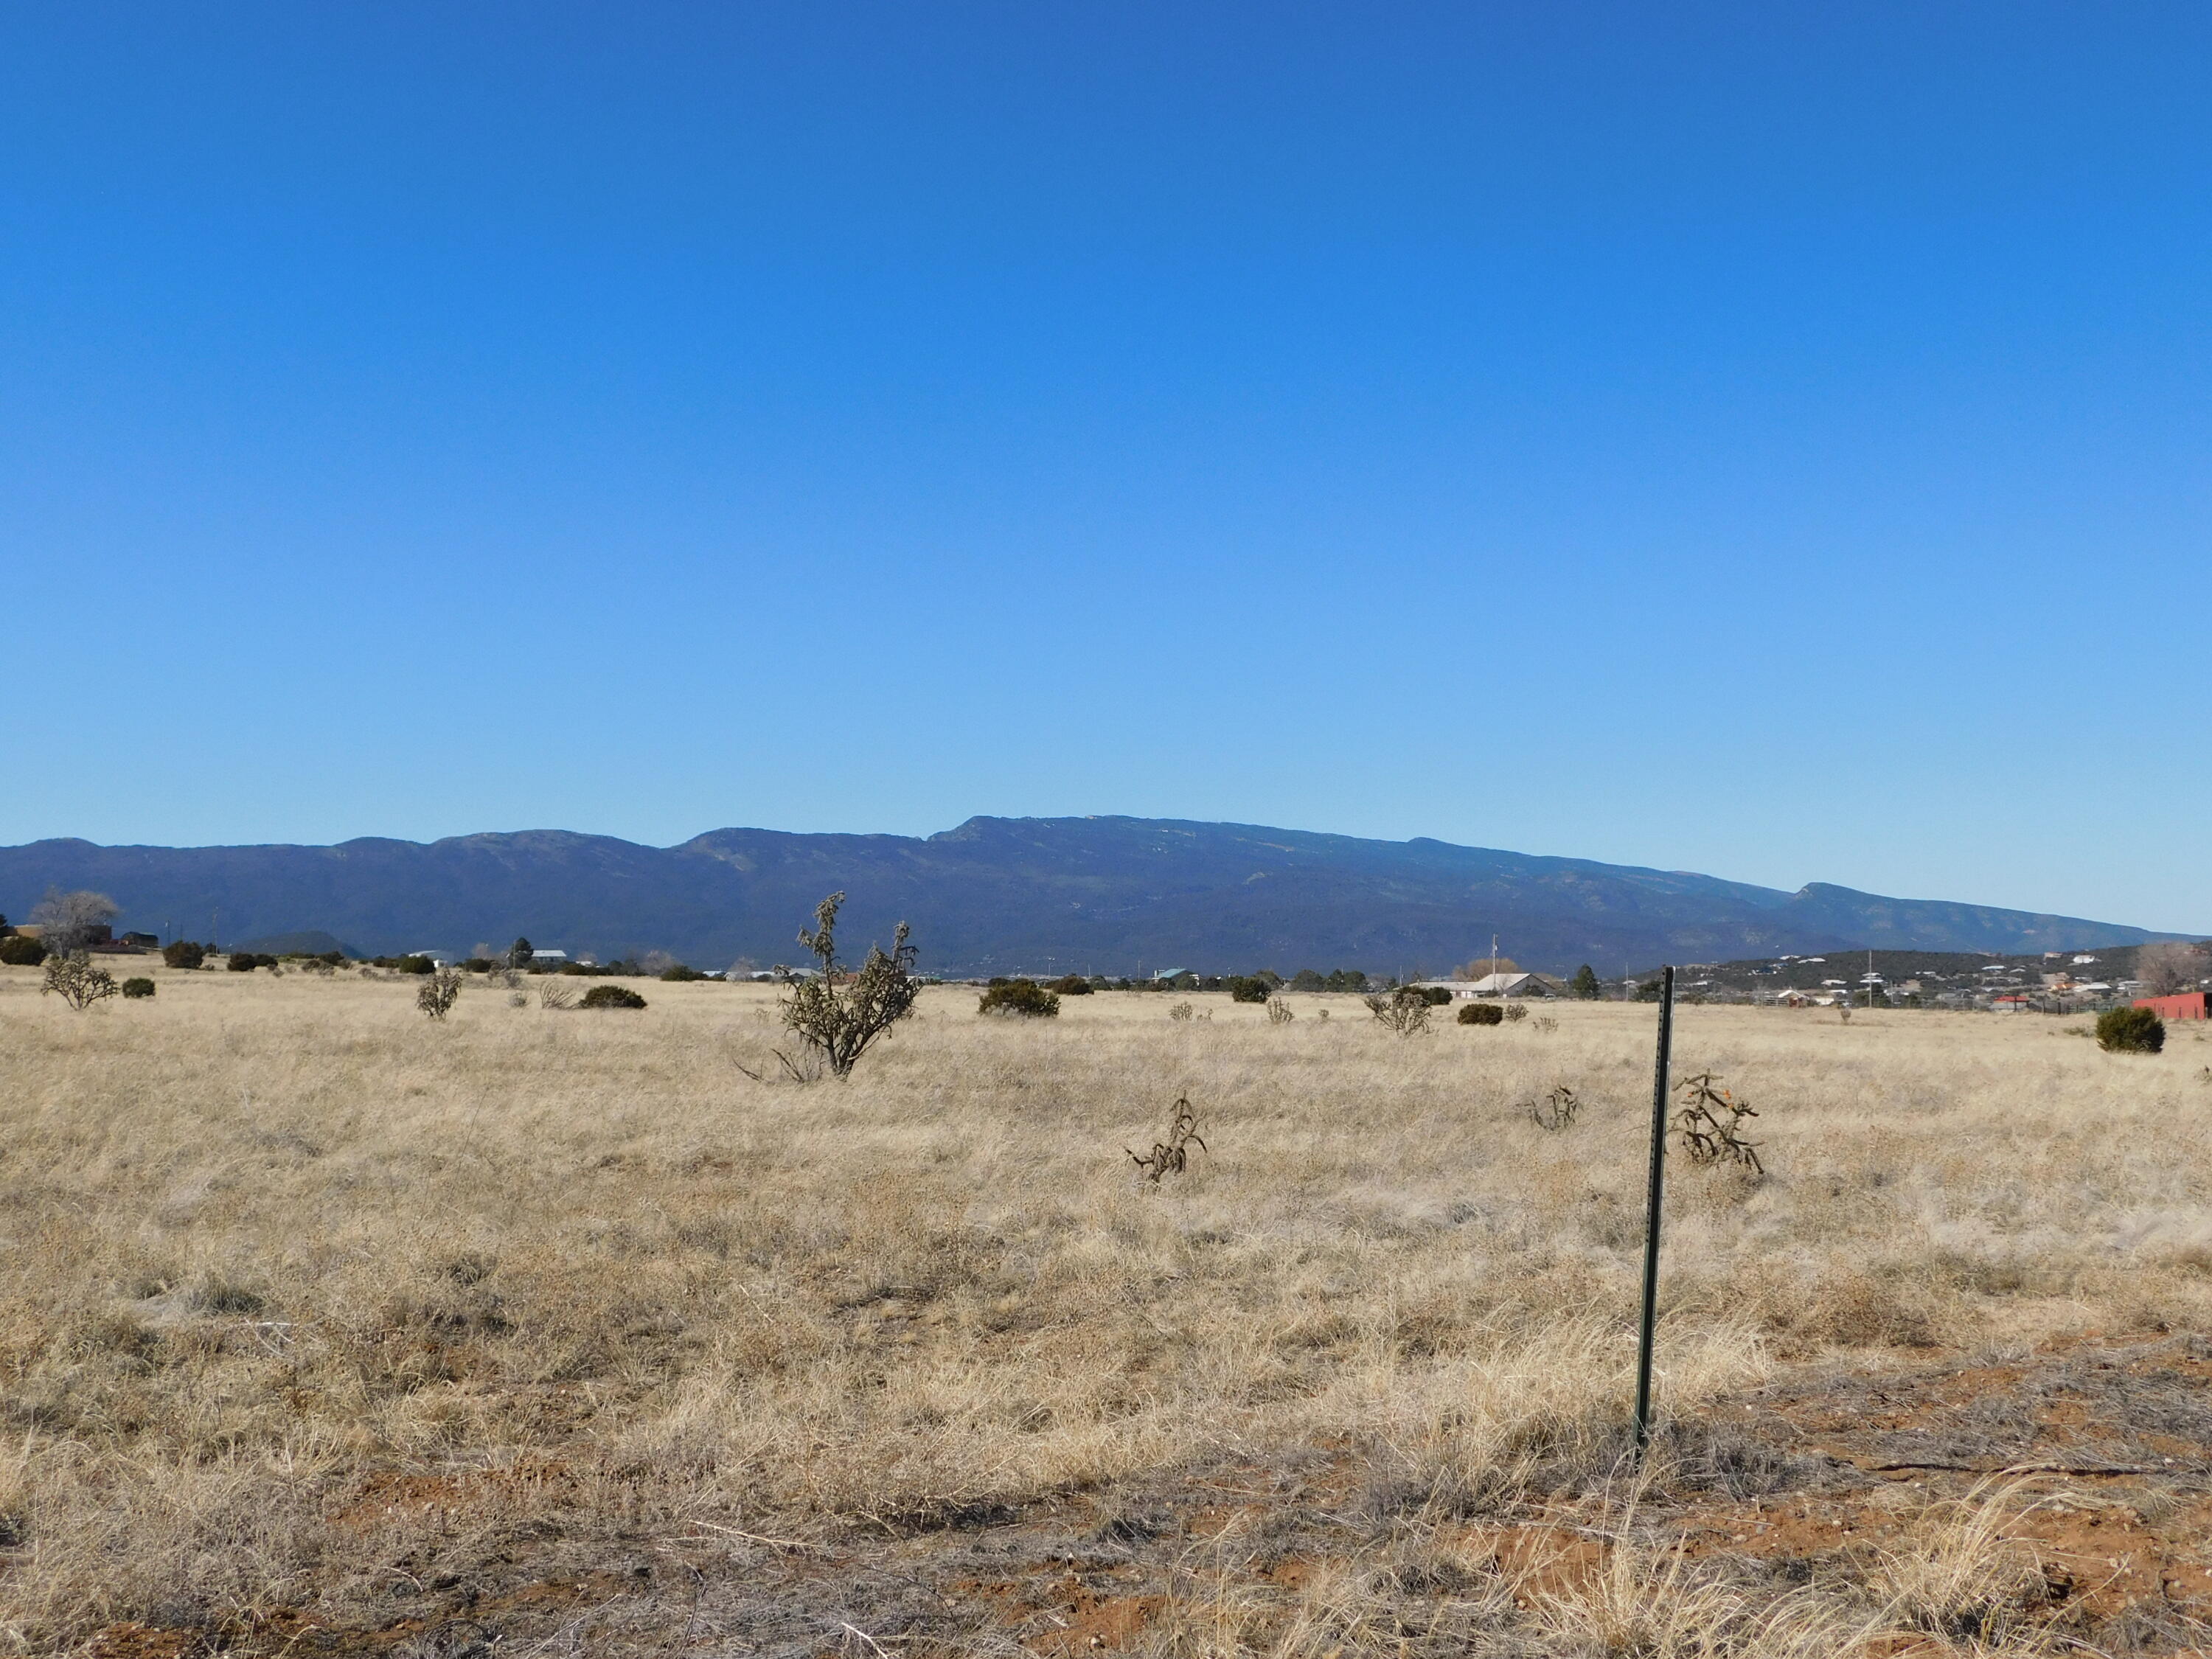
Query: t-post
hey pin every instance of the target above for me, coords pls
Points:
(1654, 1202)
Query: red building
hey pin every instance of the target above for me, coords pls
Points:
(2190, 1005)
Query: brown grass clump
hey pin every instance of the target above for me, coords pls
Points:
(306, 1305)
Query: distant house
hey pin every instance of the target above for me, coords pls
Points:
(143, 941)
(2015, 1004)
(547, 958)
(1500, 985)
(2079, 961)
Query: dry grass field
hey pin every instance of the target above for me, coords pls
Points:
(327, 1328)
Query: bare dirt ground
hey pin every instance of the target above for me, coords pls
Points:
(324, 1330)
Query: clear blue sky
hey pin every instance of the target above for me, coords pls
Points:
(1769, 440)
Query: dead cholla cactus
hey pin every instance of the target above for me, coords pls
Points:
(1556, 1110)
(553, 993)
(439, 992)
(1279, 1011)
(1404, 1011)
(837, 1016)
(1172, 1156)
(1710, 1120)
(1182, 1011)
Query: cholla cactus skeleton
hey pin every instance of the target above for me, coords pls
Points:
(1710, 1120)
(1172, 1156)
(1556, 1110)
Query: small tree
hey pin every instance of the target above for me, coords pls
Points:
(1585, 983)
(439, 992)
(183, 953)
(70, 921)
(1021, 997)
(837, 1016)
(2168, 968)
(76, 981)
(2130, 1031)
(519, 953)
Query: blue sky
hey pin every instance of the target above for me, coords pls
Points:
(1768, 440)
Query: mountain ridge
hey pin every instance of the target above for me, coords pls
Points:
(1107, 893)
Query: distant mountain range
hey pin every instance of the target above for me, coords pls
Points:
(1112, 895)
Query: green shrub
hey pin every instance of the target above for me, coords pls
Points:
(2130, 1031)
(1435, 995)
(1481, 1013)
(134, 988)
(245, 962)
(1253, 989)
(1020, 997)
(678, 974)
(183, 953)
(1073, 985)
(415, 965)
(612, 996)
(16, 951)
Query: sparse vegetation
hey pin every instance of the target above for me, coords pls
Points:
(2130, 1031)
(1020, 998)
(553, 995)
(611, 996)
(1279, 1011)
(1248, 990)
(1516, 1012)
(925, 1361)
(75, 979)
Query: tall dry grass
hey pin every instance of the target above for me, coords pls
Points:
(300, 1290)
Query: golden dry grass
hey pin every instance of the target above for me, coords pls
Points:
(299, 1291)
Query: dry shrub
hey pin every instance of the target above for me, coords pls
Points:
(1404, 1011)
(1964, 1571)
(439, 992)
(72, 978)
